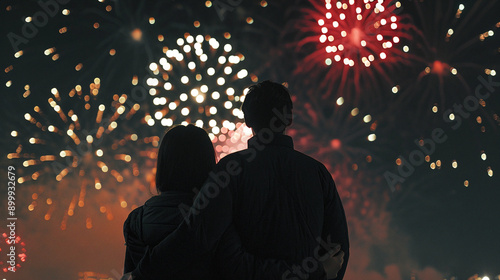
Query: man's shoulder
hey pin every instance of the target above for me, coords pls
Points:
(310, 161)
(245, 154)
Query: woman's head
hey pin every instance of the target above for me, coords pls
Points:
(185, 158)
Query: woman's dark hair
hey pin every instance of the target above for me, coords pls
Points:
(185, 158)
(261, 102)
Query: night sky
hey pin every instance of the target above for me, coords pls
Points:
(398, 99)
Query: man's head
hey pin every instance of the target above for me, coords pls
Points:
(268, 105)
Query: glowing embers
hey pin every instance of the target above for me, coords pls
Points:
(440, 68)
(136, 34)
(335, 134)
(75, 151)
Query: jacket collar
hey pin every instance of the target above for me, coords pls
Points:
(276, 139)
(169, 198)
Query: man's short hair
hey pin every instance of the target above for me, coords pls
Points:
(268, 105)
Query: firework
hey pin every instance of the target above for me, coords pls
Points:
(111, 39)
(79, 143)
(333, 135)
(203, 82)
(130, 33)
(452, 45)
(452, 48)
(255, 25)
(354, 43)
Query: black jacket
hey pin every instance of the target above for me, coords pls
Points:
(284, 205)
(147, 225)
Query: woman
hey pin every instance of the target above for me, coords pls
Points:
(185, 158)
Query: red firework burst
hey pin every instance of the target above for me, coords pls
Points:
(355, 41)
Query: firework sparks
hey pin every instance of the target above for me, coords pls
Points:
(135, 31)
(355, 42)
(111, 39)
(79, 141)
(202, 82)
(452, 47)
(334, 134)
(450, 42)
(222, 8)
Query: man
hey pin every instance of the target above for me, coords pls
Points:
(283, 204)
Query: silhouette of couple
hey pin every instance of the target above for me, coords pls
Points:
(267, 212)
